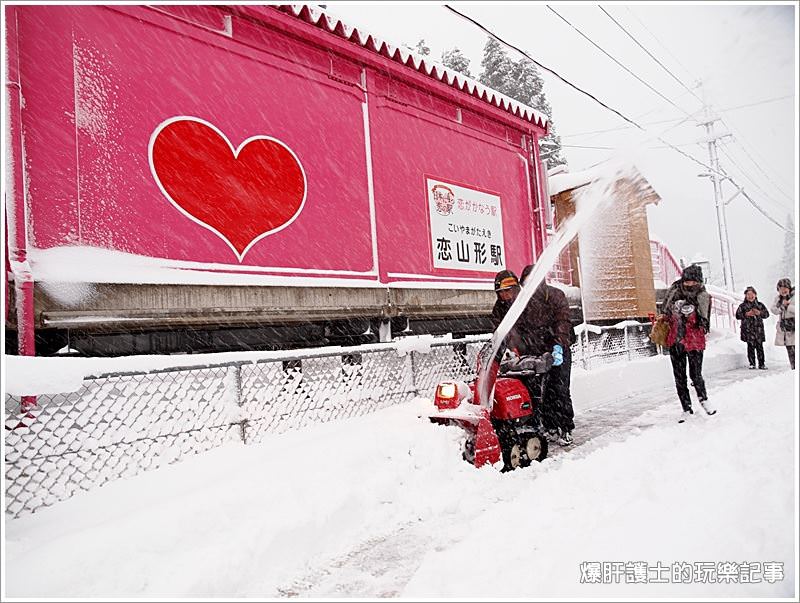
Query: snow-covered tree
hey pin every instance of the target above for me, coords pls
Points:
(420, 48)
(454, 59)
(521, 81)
(496, 67)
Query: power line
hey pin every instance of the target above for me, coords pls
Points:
(660, 42)
(752, 180)
(646, 123)
(605, 148)
(752, 202)
(538, 64)
(658, 109)
(749, 198)
(615, 111)
(743, 192)
(755, 163)
(761, 102)
(765, 214)
(601, 49)
(650, 54)
(579, 146)
(566, 81)
(581, 90)
(663, 121)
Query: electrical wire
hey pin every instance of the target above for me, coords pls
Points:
(538, 64)
(720, 173)
(650, 54)
(663, 121)
(601, 49)
(744, 147)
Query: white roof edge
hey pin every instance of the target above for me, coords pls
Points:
(320, 18)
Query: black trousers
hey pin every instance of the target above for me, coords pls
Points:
(790, 351)
(755, 348)
(678, 355)
(557, 411)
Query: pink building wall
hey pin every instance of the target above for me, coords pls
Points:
(102, 83)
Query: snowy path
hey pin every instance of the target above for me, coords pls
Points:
(613, 421)
(382, 565)
(382, 506)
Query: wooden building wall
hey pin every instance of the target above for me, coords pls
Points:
(616, 271)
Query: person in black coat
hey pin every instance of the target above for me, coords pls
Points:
(752, 314)
(544, 326)
(549, 305)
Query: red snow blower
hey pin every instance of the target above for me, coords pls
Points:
(508, 427)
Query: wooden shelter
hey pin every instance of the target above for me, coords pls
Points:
(610, 260)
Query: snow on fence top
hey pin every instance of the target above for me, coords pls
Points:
(720, 293)
(426, 66)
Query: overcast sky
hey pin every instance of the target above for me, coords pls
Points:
(743, 54)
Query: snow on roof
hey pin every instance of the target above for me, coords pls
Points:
(568, 180)
(558, 182)
(558, 169)
(424, 65)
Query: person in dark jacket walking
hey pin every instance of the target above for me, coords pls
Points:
(544, 326)
(687, 307)
(752, 314)
(784, 308)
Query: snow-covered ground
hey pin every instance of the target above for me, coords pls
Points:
(383, 505)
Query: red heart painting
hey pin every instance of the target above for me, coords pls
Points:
(240, 194)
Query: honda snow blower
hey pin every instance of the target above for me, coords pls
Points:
(508, 425)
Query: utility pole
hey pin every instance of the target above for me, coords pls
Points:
(722, 225)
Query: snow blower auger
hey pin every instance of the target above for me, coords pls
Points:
(508, 426)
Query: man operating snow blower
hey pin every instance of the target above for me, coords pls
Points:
(544, 326)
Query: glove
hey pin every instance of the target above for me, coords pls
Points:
(558, 355)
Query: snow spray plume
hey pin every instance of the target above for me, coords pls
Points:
(597, 195)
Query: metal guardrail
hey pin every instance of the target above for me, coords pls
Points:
(120, 424)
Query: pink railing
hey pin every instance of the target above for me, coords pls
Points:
(665, 267)
(562, 269)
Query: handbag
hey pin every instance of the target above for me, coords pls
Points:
(787, 325)
(659, 332)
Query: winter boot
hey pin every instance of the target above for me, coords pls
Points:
(707, 406)
(752, 366)
(565, 439)
(685, 415)
(763, 367)
(552, 435)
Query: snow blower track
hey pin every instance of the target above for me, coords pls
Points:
(382, 565)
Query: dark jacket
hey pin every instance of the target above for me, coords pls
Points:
(752, 327)
(689, 330)
(499, 311)
(544, 322)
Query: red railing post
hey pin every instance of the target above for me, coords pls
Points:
(17, 239)
(16, 225)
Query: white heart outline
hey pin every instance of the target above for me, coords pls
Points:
(235, 152)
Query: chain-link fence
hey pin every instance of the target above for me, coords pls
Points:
(120, 424)
(628, 340)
